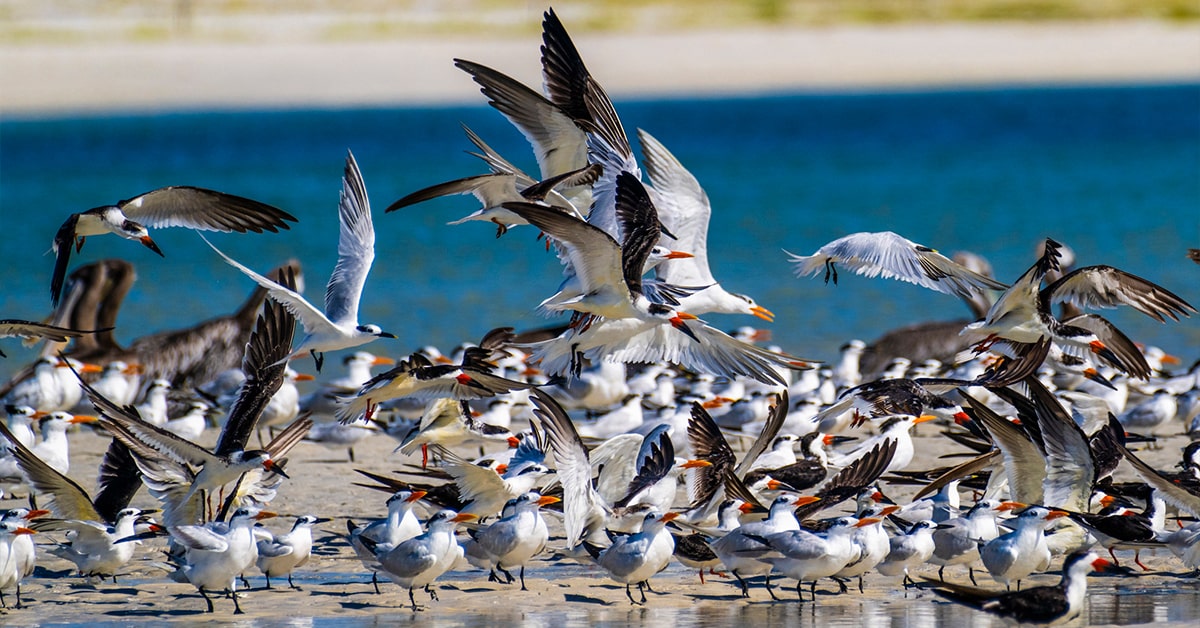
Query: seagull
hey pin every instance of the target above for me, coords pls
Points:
(635, 558)
(338, 327)
(894, 257)
(513, 540)
(420, 560)
(172, 206)
(1047, 605)
(281, 554)
(28, 329)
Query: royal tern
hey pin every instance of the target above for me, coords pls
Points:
(337, 327)
(1013, 556)
(635, 558)
(733, 547)
(10, 574)
(808, 557)
(92, 545)
(46, 389)
(20, 423)
(513, 540)
(911, 548)
(420, 560)
(956, 541)
(23, 552)
(217, 554)
(173, 206)
(1047, 605)
(281, 554)
(54, 448)
(894, 257)
(399, 526)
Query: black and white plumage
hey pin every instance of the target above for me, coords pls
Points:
(281, 554)
(173, 206)
(892, 256)
(1022, 316)
(1047, 605)
(337, 327)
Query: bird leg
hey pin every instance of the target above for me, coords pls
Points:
(860, 583)
(375, 582)
(629, 595)
(207, 599)
(942, 573)
(1137, 559)
(719, 574)
(492, 577)
(290, 584)
(841, 585)
(701, 575)
(319, 358)
(432, 593)
(642, 591)
(742, 584)
(412, 600)
(3, 604)
(767, 583)
(500, 228)
(424, 455)
(18, 606)
(830, 270)
(812, 590)
(266, 587)
(245, 582)
(237, 608)
(971, 572)
(350, 450)
(1116, 563)
(522, 578)
(79, 243)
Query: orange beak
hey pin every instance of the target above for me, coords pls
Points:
(746, 508)
(1107, 500)
(24, 530)
(805, 500)
(1056, 514)
(546, 500)
(266, 514)
(827, 439)
(382, 361)
(678, 255)
(134, 369)
(83, 418)
(39, 414)
(1007, 506)
(889, 510)
(34, 514)
(464, 516)
(501, 469)
(961, 418)
(670, 516)
(304, 377)
(694, 464)
(866, 521)
(1170, 359)
(88, 368)
(763, 313)
(441, 359)
(773, 484)
(924, 418)
(513, 442)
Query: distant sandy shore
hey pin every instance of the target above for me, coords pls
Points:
(48, 79)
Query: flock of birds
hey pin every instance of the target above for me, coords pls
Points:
(626, 427)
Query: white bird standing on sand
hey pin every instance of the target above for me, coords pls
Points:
(173, 206)
(1013, 556)
(732, 547)
(153, 408)
(338, 327)
(420, 560)
(280, 555)
(956, 541)
(808, 557)
(635, 558)
(20, 423)
(52, 387)
(10, 574)
(93, 545)
(398, 526)
(53, 449)
(512, 540)
(909, 549)
(217, 553)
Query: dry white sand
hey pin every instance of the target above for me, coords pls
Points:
(45, 79)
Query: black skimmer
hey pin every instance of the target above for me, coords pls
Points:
(30, 330)
(173, 206)
(1047, 605)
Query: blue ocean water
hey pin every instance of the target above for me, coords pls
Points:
(1114, 172)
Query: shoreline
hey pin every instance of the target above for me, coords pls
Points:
(89, 78)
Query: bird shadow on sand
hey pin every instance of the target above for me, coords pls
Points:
(157, 612)
(584, 599)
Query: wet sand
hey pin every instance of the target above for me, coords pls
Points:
(336, 589)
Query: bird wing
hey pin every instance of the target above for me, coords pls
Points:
(892, 256)
(68, 500)
(64, 241)
(29, 329)
(119, 480)
(558, 144)
(775, 418)
(313, 320)
(1107, 287)
(581, 504)
(652, 467)
(640, 228)
(198, 538)
(684, 209)
(265, 366)
(852, 479)
(1131, 360)
(491, 189)
(708, 444)
(1070, 468)
(593, 253)
(1172, 493)
(1023, 461)
(608, 146)
(356, 248)
(207, 210)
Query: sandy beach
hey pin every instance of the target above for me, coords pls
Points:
(287, 72)
(336, 588)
